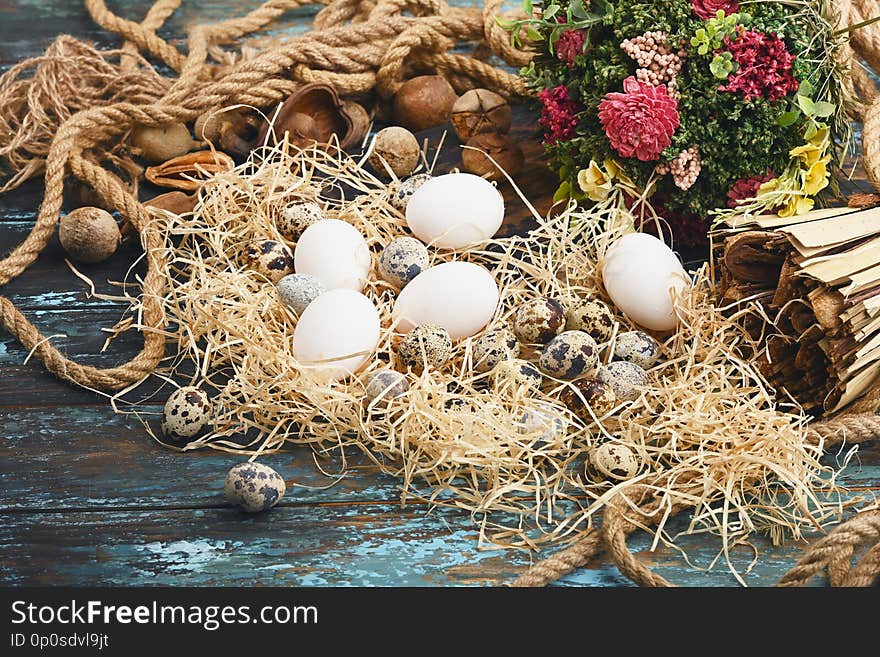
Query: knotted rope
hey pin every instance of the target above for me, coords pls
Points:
(358, 46)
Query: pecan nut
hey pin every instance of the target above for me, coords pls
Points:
(188, 172)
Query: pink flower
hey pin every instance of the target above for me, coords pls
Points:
(558, 114)
(747, 188)
(706, 9)
(641, 121)
(569, 45)
(764, 66)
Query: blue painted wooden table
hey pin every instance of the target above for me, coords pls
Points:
(86, 497)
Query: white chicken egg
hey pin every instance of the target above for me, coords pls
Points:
(334, 252)
(455, 211)
(336, 334)
(641, 274)
(458, 296)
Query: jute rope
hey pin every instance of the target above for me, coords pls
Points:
(361, 46)
(357, 46)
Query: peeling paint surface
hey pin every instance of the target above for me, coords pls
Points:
(87, 498)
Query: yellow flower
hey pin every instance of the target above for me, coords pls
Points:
(809, 154)
(816, 179)
(594, 182)
(796, 205)
(822, 137)
(770, 186)
(615, 172)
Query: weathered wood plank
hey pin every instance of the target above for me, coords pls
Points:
(306, 546)
(87, 457)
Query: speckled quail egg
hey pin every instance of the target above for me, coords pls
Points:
(637, 347)
(253, 487)
(626, 379)
(406, 189)
(591, 316)
(385, 385)
(538, 321)
(612, 461)
(425, 345)
(585, 395)
(187, 413)
(294, 219)
(492, 347)
(543, 424)
(569, 355)
(297, 291)
(402, 260)
(517, 373)
(271, 259)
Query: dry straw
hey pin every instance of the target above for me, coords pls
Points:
(706, 430)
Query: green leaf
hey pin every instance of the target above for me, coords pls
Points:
(825, 109)
(505, 23)
(533, 34)
(578, 10)
(550, 12)
(805, 89)
(721, 66)
(811, 131)
(563, 192)
(527, 7)
(807, 106)
(788, 118)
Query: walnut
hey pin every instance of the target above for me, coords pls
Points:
(89, 234)
(398, 148)
(500, 148)
(480, 111)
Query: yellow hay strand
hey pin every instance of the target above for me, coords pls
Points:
(707, 429)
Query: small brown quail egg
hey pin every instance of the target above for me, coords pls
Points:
(187, 412)
(493, 347)
(402, 260)
(538, 321)
(297, 291)
(542, 425)
(406, 189)
(385, 385)
(271, 259)
(626, 379)
(637, 347)
(590, 316)
(294, 219)
(589, 394)
(253, 487)
(569, 355)
(612, 461)
(517, 373)
(425, 345)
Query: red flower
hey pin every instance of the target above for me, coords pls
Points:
(747, 188)
(569, 45)
(706, 9)
(641, 121)
(558, 114)
(764, 66)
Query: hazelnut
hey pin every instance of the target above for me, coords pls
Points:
(89, 234)
(162, 143)
(479, 111)
(360, 121)
(395, 148)
(423, 102)
(500, 148)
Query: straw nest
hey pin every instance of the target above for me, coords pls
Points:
(707, 431)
